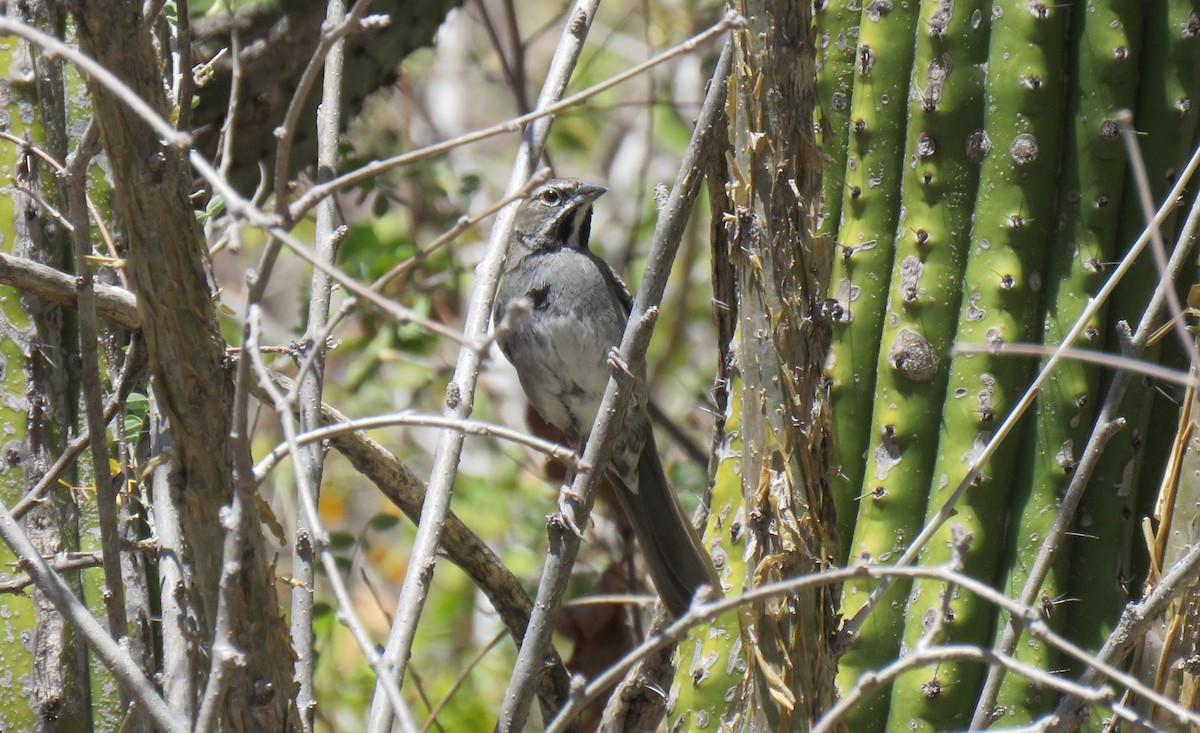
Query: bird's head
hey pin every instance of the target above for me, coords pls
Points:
(557, 214)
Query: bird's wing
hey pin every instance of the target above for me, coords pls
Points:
(616, 286)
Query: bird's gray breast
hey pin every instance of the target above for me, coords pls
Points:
(560, 346)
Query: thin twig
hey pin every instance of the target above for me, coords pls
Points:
(467, 668)
(228, 137)
(60, 564)
(185, 86)
(1112, 361)
(1137, 166)
(470, 427)
(235, 519)
(520, 82)
(179, 651)
(106, 493)
(310, 381)
(960, 544)
(332, 32)
(229, 127)
(515, 82)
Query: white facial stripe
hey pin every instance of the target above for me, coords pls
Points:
(577, 224)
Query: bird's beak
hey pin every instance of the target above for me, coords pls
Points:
(587, 193)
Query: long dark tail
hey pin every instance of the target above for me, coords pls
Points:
(676, 559)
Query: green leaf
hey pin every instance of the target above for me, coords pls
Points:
(383, 522)
(342, 541)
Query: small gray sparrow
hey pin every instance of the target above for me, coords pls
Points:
(560, 343)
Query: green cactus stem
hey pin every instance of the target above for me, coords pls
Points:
(1166, 114)
(870, 208)
(1014, 216)
(837, 40)
(1105, 42)
(940, 177)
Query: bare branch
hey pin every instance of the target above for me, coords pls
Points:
(471, 427)
(311, 379)
(60, 563)
(115, 305)
(106, 495)
(310, 197)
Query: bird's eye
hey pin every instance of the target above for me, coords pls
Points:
(551, 196)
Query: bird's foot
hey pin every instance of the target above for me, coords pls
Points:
(567, 502)
(618, 364)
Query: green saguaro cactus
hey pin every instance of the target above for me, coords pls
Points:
(869, 211)
(941, 164)
(16, 610)
(1013, 217)
(1166, 114)
(1038, 232)
(1105, 43)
